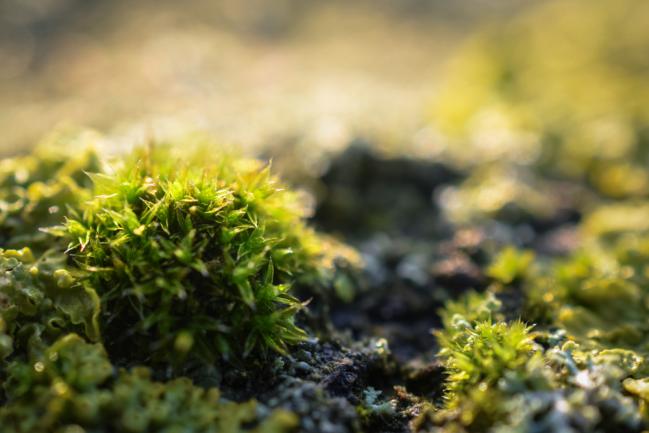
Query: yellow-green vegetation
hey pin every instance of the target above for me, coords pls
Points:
(549, 108)
(41, 300)
(582, 367)
(564, 87)
(599, 296)
(478, 355)
(511, 266)
(156, 262)
(502, 377)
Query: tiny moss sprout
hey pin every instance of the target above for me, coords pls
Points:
(511, 265)
(481, 354)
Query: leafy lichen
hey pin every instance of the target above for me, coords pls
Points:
(160, 260)
(39, 301)
(72, 387)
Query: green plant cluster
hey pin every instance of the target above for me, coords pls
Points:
(503, 377)
(160, 263)
(581, 368)
(478, 355)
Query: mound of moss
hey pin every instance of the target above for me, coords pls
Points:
(191, 261)
(156, 262)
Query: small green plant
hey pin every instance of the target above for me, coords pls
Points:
(483, 353)
(194, 262)
(72, 387)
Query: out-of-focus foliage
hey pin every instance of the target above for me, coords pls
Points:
(599, 294)
(36, 190)
(511, 265)
(72, 387)
(501, 192)
(610, 220)
(562, 87)
(548, 111)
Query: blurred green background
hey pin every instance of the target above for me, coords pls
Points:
(286, 74)
(559, 85)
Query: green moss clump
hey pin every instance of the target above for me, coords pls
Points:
(194, 263)
(482, 353)
(484, 361)
(174, 262)
(72, 387)
(37, 190)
